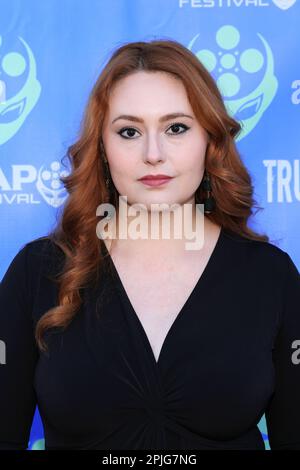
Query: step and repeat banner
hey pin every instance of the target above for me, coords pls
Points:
(51, 53)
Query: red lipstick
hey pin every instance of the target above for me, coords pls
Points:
(155, 180)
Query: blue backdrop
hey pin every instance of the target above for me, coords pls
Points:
(51, 53)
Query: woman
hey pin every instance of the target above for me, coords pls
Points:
(140, 343)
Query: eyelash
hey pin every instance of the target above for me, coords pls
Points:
(186, 128)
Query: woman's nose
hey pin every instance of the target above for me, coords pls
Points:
(153, 151)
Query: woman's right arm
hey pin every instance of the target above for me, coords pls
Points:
(18, 355)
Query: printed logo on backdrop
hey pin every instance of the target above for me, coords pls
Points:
(282, 4)
(243, 72)
(19, 93)
(17, 68)
(17, 188)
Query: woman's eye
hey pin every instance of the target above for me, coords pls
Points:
(131, 130)
(176, 125)
(125, 129)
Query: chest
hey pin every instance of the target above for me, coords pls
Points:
(158, 294)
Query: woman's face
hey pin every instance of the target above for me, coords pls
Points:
(147, 143)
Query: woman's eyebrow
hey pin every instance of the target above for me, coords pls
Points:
(162, 119)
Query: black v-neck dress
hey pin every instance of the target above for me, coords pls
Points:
(229, 357)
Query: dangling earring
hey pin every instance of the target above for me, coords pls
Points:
(209, 201)
(107, 173)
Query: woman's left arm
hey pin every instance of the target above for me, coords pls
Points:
(283, 412)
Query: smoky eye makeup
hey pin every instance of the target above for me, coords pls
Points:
(132, 130)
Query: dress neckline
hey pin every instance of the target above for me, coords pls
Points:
(129, 307)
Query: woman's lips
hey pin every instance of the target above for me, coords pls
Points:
(155, 181)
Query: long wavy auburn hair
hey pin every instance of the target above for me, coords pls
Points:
(75, 232)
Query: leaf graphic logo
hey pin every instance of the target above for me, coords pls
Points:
(284, 4)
